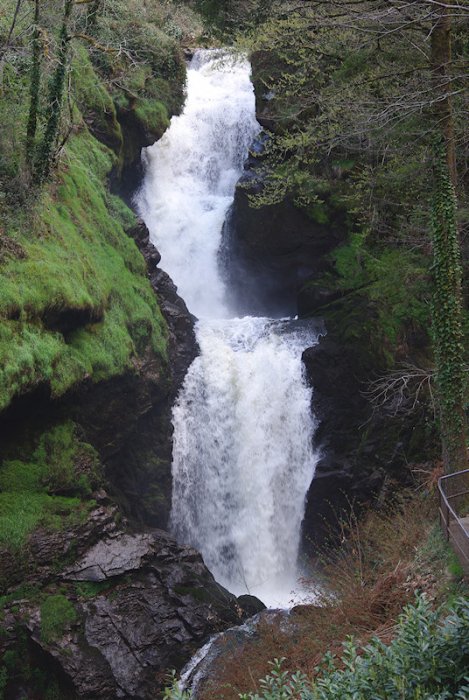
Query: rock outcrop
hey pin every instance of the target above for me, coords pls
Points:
(183, 344)
(270, 251)
(142, 604)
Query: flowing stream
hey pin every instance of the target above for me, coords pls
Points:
(242, 457)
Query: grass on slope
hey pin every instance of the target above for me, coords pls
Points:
(75, 260)
(47, 486)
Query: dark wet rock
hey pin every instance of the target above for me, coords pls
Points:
(203, 676)
(251, 604)
(364, 453)
(137, 134)
(46, 547)
(159, 605)
(270, 251)
(183, 344)
(66, 320)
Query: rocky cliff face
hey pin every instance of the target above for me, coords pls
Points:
(138, 602)
(136, 440)
(272, 250)
(127, 607)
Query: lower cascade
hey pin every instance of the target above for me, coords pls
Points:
(243, 460)
(242, 457)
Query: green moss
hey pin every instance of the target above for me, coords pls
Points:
(57, 615)
(21, 513)
(318, 212)
(32, 487)
(90, 589)
(79, 259)
(57, 464)
(25, 591)
(93, 100)
(152, 114)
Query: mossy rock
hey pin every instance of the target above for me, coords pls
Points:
(78, 261)
(94, 101)
(57, 615)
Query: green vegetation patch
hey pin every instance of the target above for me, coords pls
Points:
(21, 513)
(94, 100)
(384, 292)
(91, 589)
(152, 114)
(78, 305)
(46, 488)
(427, 658)
(57, 614)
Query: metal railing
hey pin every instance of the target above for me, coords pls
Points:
(453, 492)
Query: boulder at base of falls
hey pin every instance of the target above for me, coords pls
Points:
(135, 605)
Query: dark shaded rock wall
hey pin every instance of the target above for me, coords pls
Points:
(270, 251)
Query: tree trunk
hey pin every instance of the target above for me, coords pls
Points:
(441, 71)
(447, 268)
(4, 48)
(34, 85)
(57, 86)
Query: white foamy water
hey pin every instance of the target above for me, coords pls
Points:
(243, 429)
(243, 460)
(191, 174)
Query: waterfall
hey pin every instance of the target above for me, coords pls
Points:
(191, 174)
(242, 456)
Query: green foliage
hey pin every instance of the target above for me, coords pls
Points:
(228, 17)
(35, 83)
(57, 615)
(151, 53)
(173, 692)
(78, 260)
(94, 100)
(447, 316)
(426, 659)
(60, 463)
(47, 145)
(393, 281)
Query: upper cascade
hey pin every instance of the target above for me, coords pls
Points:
(191, 175)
